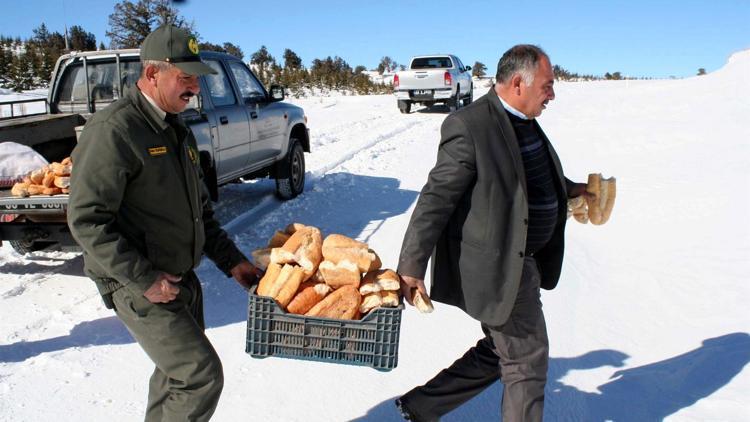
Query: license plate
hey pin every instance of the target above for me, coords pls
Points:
(422, 92)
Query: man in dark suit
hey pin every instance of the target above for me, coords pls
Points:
(492, 217)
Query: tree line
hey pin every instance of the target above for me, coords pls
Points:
(28, 64)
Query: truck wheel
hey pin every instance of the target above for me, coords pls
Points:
(24, 246)
(290, 172)
(470, 98)
(404, 106)
(455, 102)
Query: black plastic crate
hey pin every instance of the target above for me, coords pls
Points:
(371, 341)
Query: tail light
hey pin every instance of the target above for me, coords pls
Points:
(395, 81)
(447, 79)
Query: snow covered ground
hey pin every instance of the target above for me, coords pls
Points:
(649, 321)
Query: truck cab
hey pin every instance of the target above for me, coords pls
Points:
(243, 131)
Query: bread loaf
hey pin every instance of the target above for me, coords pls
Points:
(370, 302)
(36, 189)
(62, 181)
(309, 294)
(345, 273)
(285, 285)
(578, 208)
(421, 301)
(390, 298)
(266, 283)
(52, 191)
(278, 239)
(59, 169)
(293, 227)
(261, 257)
(48, 181)
(343, 303)
(37, 176)
(378, 280)
(20, 189)
(337, 247)
(601, 198)
(303, 248)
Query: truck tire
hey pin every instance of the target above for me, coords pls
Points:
(290, 172)
(404, 106)
(454, 103)
(469, 98)
(23, 246)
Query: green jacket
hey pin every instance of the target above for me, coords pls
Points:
(138, 205)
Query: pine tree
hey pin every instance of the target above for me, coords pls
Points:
(478, 70)
(131, 22)
(263, 60)
(292, 60)
(80, 40)
(386, 63)
(234, 50)
(22, 72)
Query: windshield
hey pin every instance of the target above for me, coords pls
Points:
(103, 85)
(431, 63)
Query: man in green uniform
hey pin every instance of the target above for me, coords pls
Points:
(140, 211)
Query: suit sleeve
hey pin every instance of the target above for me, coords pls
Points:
(218, 247)
(448, 181)
(104, 162)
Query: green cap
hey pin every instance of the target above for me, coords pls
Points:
(171, 44)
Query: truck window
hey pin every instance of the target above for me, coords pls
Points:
(101, 77)
(431, 63)
(250, 89)
(218, 85)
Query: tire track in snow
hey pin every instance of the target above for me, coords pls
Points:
(270, 203)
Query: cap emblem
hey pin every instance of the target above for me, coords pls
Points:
(193, 46)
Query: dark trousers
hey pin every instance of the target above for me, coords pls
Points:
(516, 353)
(188, 378)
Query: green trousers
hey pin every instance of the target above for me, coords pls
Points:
(188, 378)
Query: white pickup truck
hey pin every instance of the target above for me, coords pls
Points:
(439, 78)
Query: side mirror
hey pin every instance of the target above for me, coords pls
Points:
(468, 68)
(277, 93)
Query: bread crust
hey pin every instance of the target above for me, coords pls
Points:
(344, 273)
(20, 189)
(343, 303)
(421, 301)
(302, 248)
(379, 280)
(337, 247)
(309, 294)
(601, 198)
(278, 239)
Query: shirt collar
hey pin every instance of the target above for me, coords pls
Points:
(162, 114)
(510, 109)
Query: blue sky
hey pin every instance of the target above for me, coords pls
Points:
(637, 37)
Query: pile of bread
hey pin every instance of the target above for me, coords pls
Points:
(52, 179)
(312, 276)
(597, 205)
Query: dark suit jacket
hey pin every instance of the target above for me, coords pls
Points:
(472, 216)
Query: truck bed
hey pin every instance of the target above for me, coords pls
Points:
(38, 204)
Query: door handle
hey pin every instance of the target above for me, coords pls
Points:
(223, 120)
(253, 115)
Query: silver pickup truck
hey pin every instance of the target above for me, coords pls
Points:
(243, 132)
(440, 78)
